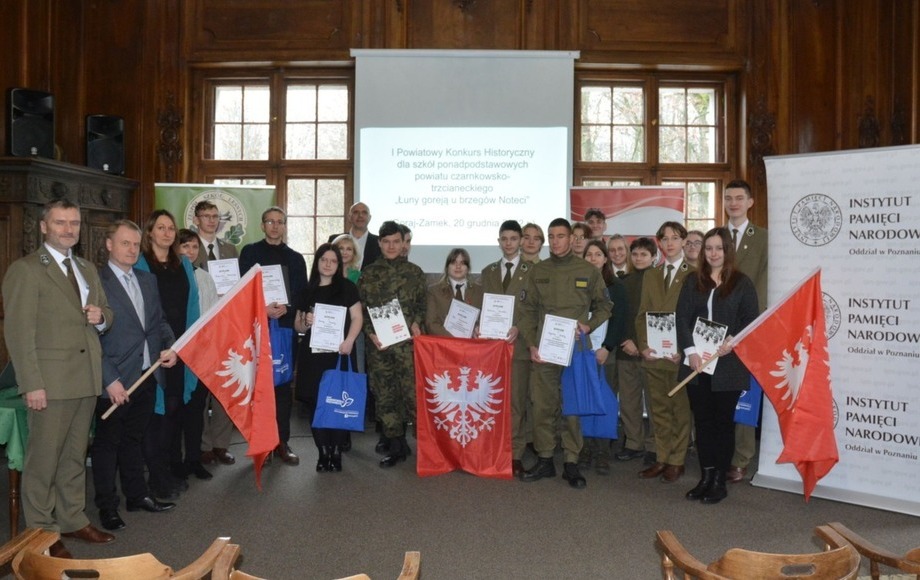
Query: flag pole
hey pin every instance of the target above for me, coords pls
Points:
(681, 385)
(134, 387)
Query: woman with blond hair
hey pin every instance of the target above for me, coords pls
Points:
(351, 256)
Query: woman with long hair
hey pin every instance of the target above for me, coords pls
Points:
(720, 293)
(327, 286)
(180, 402)
(453, 285)
(351, 256)
(604, 340)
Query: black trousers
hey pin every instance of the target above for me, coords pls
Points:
(284, 400)
(192, 426)
(714, 417)
(118, 447)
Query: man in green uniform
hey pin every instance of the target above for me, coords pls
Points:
(566, 286)
(391, 371)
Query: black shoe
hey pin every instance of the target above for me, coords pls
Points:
(629, 455)
(322, 464)
(148, 504)
(287, 456)
(543, 468)
(571, 474)
(198, 470)
(383, 445)
(705, 484)
(179, 484)
(164, 494)
(717, 492)
(110, 520)
(398, 452)
(517, 468)
(335, 459)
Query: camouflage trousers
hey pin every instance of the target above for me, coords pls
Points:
(391, 377)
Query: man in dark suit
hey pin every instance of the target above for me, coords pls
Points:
(508, 276)
(218, 428)
(750, 259)
(359, 217)
(141, 335)
(55, 309)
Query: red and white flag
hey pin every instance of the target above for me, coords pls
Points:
(463, 401)
(228, 349)
(785, 349)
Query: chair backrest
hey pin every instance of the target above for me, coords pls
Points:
(909, 562)
(32, 565)
(412, 563)
(839, 563)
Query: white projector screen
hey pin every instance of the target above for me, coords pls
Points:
(452, 143)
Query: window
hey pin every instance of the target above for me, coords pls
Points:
(644, 129)
(287, 128)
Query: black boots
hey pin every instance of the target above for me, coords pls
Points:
(330, 459)
(398, 451)
(543, 468)
(335, 459)
(705, 484)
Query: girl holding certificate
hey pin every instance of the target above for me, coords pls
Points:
(327, 286)
(453, 285)
(717, 292)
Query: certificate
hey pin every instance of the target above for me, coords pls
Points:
(598, 335)
(707, 336)
(497, 316)
(558, 339)
(461, 318)
(225, 273)
(662, 333)
(273, 286)
(328, 330)
(389, 323)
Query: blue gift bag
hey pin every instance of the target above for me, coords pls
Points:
(341, 399)
(282, 342)
(581, 386)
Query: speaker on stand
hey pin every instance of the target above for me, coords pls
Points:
(105, 143)
(31, 123)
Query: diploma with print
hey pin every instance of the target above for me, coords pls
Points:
(662, 333)
(389, 323)
(707, 336)
(328, 330)
(225, 274)
(557, 341)
(497, 316)
(273, 286)
(461, 319)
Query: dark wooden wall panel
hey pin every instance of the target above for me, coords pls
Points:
(465, 24)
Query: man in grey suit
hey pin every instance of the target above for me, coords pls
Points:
(55, 309)
(141, 335)
(751, 259)
(218, 428)
(509, 276)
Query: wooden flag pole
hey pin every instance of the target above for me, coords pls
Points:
(681, 385)
(134, 387)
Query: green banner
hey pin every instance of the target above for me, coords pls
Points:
(240, 207)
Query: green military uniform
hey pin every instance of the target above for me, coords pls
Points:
(391, 372)
(521, 419)
(631, 385)
(572, 288)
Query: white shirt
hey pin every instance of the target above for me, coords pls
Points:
(205, 243)
(741, 229)
(81, 282)
(361, 243)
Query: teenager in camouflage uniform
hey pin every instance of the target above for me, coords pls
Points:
(391, 371)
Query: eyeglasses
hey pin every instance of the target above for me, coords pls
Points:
(579, 238)
(208, 216)
(274, 222)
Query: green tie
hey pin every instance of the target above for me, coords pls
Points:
(73, 279)
(667, 278)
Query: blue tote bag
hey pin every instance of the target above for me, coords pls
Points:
(341, 399)
(282, 343)
(581, 385)
(604, 425)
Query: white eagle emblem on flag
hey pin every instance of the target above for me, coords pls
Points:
(464, 409)
(792, 367)
(243, 373)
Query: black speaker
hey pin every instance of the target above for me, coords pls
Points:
(105, 143)
(31, 123)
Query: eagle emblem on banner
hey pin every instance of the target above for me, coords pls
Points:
(240, 372)
(464, 408)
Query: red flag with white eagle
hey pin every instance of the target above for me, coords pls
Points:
(463, 400)
(228, 349)
(785, 349)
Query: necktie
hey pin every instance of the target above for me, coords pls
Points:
(667, 277)
(621, 273)
(458, 294)
(135, 295)
(73, 279)
(735, 237)
(211, 255)
(507, 279)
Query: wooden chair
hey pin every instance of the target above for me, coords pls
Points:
(838, 563)
(909, 562)
(32, 538)
(225, 566)
(411, 569)
(31, 564)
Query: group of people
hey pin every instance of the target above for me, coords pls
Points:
(79, 338)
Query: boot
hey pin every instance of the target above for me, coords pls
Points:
(705, 484)
(335, 459)
(322, 464)
(383, 445)
(543, 468)
(718, 491)
(397, 452)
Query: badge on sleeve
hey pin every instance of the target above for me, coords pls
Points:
(581, 282)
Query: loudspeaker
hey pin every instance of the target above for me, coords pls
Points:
(105, 143)
(31, 123)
